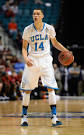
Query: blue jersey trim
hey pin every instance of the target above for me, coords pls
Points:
(51, 87)
(24, 89)
(43, 27)
(36, 29)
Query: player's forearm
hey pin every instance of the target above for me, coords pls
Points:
(24, 53)
(58, 45)
(24, 50)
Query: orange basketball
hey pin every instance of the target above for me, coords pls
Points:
(65, 58)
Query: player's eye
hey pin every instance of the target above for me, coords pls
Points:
(38, 13)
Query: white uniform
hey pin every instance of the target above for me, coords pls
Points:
(39, 52)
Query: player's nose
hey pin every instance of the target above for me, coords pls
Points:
(35, 15)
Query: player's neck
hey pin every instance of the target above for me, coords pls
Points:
(39, 26)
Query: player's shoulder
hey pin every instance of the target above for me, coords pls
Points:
(29, 27)
(49, 27)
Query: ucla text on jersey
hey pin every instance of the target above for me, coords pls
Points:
(39, 37)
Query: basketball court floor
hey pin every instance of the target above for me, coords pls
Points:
(70, 112)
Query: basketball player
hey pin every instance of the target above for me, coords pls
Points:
(39, 63)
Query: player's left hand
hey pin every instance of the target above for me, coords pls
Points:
(29, 62)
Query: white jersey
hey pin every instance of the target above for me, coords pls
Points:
(39, 42)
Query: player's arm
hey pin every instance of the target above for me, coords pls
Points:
(58, 45)
(28, 61)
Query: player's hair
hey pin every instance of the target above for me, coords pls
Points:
(39, 9)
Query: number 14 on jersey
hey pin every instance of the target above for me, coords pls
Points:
(37, 47)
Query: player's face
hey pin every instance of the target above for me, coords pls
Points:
(37, 15)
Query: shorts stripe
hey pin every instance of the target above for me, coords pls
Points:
(24, 89)
(51, 87)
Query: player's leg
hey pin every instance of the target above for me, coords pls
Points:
(29, 82)
(25, 104)
(52, 103)
(49, 81)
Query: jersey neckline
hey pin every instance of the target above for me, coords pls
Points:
(36, 29)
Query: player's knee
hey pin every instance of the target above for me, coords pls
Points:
(26, 99)
(52, 97)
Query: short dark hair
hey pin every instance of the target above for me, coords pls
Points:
(39, 9)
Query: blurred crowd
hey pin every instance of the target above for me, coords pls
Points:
(11, 69)
(70, 79)
(10, 9)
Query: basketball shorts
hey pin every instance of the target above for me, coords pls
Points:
(42, 67)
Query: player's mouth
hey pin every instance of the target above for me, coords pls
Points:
(35, 19)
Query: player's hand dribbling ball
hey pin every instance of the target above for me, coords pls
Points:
(65, 58)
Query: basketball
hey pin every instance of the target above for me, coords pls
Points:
(65, 58)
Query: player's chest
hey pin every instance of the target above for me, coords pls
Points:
(35, 37)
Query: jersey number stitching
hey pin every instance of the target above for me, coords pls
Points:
(40, 46)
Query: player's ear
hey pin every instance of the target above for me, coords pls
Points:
(42, 15)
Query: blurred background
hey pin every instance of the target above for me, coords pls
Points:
(66, 17)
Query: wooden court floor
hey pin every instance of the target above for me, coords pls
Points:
(70, 112)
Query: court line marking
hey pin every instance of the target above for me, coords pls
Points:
(44, 116)
(47, 115)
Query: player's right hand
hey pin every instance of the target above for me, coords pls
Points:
(29, 62)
